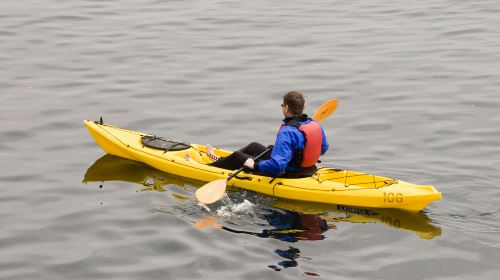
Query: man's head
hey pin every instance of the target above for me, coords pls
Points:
(293, 104)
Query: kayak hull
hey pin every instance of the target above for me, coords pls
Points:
(327, 185)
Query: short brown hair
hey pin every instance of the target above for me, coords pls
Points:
(295, 102)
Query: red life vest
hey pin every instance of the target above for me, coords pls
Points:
(314, 140)
(312, 148)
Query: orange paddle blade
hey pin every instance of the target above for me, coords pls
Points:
(325, 110)
(211, 192)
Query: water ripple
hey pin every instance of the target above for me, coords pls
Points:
(417, 85)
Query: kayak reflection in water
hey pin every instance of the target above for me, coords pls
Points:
(290, 226)
(298, 146)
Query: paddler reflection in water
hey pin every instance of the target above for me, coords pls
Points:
(298, 146)
(290, 226)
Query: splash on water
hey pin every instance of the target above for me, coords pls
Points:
(235, 209)
(204, 206)
(228, 208)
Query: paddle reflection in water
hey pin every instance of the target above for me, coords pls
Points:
(289, 221)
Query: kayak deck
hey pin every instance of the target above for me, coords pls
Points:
(327, 185)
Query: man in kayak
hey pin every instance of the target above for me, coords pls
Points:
(298, 146)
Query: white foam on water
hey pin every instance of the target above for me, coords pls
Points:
(233, 209)
(204, 206)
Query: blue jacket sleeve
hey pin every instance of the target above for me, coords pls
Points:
(325, 145)
(281, 155)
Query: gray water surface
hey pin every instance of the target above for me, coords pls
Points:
(418, 84)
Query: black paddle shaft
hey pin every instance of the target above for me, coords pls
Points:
(243, 167)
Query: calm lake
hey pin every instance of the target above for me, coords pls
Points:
(418, 84)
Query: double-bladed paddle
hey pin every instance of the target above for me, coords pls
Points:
(325, 110)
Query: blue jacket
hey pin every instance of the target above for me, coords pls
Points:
(289, 139)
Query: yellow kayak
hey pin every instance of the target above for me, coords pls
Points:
(112, 168)
(327, 185)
